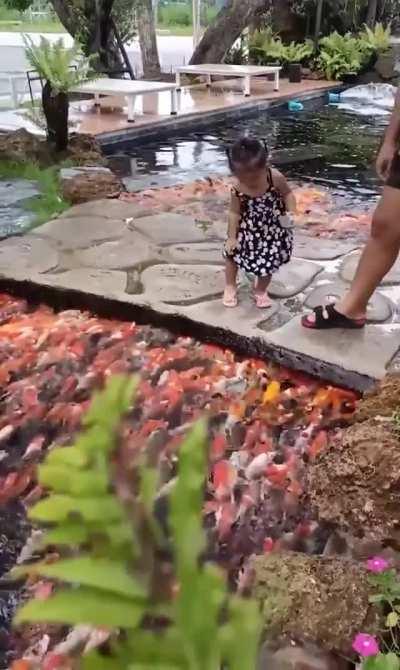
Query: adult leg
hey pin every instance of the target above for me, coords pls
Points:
(377, 259)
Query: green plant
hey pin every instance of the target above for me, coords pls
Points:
(378, 38)
(50, 201)
(265, 47)
(340, 55)
(259, 45)
(63, 70)
(298, 52)
(172, 615)
(176, 15)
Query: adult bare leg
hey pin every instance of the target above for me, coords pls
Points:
(378, 257)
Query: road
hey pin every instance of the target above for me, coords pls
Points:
(173, 50)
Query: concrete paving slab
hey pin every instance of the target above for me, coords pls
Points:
(167, 268)
(363, 353)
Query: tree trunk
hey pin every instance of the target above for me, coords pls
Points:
(148, 39)
(56, 108)
(372, 12)
(91, 22)
(226, 29)
(318, 22)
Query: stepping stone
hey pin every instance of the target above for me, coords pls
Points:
(80, 232)
(379, 307)
(182, 284)
(320, 249)
(21, 255)
(109, 283)
(169, 228)
(202, 252)
(350, 264)
(131, 250)
(293, 278)
(352, 354)
(243, 320)
(107, 209)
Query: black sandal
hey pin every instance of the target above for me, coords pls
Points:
(327, 318)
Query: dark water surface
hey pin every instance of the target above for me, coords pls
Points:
(320, 145)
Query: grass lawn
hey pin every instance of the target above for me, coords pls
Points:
(57, 27)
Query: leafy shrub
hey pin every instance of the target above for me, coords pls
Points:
(340, 55)
(114, 563)
(176, 15)
(265, 48)
(377, 39)
(62, 68)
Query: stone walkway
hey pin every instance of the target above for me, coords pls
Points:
(172, 265)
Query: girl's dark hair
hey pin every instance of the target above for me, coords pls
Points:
(248, 151)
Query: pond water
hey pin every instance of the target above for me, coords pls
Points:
(321, 144)
(15, 195)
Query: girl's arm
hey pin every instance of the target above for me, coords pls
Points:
(281, 184)
(233, 222)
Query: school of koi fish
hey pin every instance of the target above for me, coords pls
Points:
(266, 424)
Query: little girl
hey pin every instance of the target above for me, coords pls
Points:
(260, 238)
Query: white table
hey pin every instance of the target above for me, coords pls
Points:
(244, 71)
(129, 89)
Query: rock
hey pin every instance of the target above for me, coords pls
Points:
(85, 150)
(182, 284)
(385, 65)
(84, 184)
(379, 307)
(323, 601)
(383, 400)
(293, 657)
(200, 252)
(107, 209)
(354, 484)
(19, 146)
(90, 280)
(293, 278)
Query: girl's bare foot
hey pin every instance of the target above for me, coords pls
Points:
(230, 297)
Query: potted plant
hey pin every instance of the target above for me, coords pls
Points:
(295, 54)
(61, 69)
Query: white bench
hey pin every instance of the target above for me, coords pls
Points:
(244, 71)
(128, 89)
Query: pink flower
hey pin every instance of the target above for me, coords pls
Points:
(365, 645)
(378, 564)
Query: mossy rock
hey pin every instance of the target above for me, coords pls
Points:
(355, 484)
(314, 599)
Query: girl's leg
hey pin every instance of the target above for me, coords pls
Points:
(230, 294)
(260, 292)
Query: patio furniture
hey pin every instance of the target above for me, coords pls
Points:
(128, 89)
(13, 91)
(243, 71)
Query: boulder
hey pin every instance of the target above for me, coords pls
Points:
(383, 400)
(355, 483)
(313, 600)
(84, 184)
(20, 146)
(290, 656)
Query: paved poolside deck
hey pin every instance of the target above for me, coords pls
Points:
(117, 258)
(198, 101)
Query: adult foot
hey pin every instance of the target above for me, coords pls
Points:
(230, 297)
(328, 318)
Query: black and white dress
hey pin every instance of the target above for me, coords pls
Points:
(263, 244)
